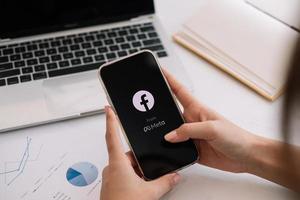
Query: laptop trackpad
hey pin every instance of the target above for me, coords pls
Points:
(74, 94)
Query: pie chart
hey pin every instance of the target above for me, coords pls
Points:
(82, 174)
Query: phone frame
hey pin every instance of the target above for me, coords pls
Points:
(112, 105)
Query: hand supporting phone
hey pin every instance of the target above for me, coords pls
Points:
(147, 110)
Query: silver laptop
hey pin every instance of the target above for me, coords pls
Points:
(50, 50)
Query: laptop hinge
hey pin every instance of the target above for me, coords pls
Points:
(141, 18)
(4, 40)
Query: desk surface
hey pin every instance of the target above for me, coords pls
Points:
(212, 87)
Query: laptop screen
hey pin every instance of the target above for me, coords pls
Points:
(29, 17)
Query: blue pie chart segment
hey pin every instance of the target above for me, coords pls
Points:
(82, 174)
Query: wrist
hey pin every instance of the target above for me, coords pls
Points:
(254, 161)
(264, 155)
(271, 160)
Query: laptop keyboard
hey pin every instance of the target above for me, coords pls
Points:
(51, 57)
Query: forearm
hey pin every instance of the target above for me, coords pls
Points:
(275, 161)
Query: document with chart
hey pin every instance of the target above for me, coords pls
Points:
(64, 166)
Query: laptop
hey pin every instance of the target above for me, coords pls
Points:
(50, 51)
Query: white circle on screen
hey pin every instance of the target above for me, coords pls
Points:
(143, 101)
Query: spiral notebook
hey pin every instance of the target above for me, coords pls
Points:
(251, 46)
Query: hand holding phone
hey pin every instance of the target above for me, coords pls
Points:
(147, 110)
(122, 168)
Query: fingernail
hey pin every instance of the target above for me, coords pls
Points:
(171, 136)
(176, 179)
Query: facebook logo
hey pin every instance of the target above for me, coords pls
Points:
(143, 101)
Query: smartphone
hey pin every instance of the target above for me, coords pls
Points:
(146, 108)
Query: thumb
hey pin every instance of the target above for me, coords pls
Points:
(164, 184)
(197, 130)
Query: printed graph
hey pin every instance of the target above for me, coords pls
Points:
(82, 174)
(14, 169)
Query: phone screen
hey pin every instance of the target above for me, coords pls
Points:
(147, 111)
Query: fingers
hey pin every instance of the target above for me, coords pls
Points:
(163, 184)
(114, 145)
(182, 94)
(199, 130)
